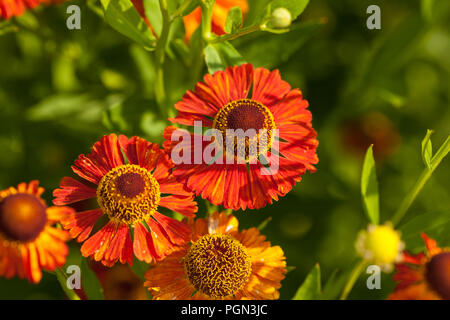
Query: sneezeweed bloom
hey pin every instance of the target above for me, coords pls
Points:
(220, 263)
(129, 190)
(15, 8)
(424, 276)
(28, 240)
(380, 245)
(245, 99)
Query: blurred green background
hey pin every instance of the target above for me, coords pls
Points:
(61, 90)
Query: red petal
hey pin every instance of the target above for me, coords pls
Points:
(178, 232)
(80, 224)
(72, 191)
(181, 204)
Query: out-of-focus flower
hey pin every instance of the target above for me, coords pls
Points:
(193, 20)
(380, 245)
(15, 8)
(373, 128)
(424, 276)
(245, 99)
(220, 263)
(128, 191)
(28, 240)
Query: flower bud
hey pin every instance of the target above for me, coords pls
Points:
(281, 18)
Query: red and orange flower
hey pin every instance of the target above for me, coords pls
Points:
(15, 8)
(220, 263)
(424, 276)
(28, 240)
(245, 98)
(129, 192)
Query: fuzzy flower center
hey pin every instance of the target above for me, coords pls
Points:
(250, 120)
(22, 217)
(438, 274)
(128, 193)
(217, 265)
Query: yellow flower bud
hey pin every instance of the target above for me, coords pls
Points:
(380, 245)
(281, 18)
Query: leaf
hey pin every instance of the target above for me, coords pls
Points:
(221, 55)
(234, 20)
(311, 287)
(139, 268)
(296, 7)
(90, 283)
(427, 149)
(433, 223)
(123, 17)
(369, 187)
(154, 15)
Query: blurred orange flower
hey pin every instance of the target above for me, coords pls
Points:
(28, 241)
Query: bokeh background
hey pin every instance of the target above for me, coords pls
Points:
(61, 90)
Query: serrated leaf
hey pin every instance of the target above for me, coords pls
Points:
(124, 18)
(296, 7)
(90, 283)
(221, 55)
(311, 287)
(234, 20)
(369, 188)
(427, 149)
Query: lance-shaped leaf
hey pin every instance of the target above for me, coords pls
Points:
(311, 287)
(369, 188)
(427, 149)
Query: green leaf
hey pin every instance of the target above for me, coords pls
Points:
(123, 17)
(234, 20)
(432, 223)
(296, 7)
(154, 15)
(139, 268)
(311, 287)
(62, 279)
(427, 149)
(264, 224)
(369, 187)
(90, 283)
(221, 55)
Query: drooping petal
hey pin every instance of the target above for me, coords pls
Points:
(72, 191)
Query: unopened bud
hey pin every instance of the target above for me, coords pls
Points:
(281, 18)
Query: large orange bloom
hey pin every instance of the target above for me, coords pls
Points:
(14, 8)
(28, 240)
(425, 276)
(220, 263)
(219, 16)
(129, 192)
(245, 98)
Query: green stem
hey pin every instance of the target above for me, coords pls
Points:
(240, 33)
(352, 279)
(62, 279)
(207, 8)
(424, 177)
(160, 56)
(181, 9)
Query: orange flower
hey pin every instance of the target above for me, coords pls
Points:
(220, 263)
(219, 16)
(192, 21)
(245, 98)
(15, 8)
(129, 194)
(424, 276)
(28, 241)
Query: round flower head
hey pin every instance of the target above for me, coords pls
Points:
(220, 263)
(424, 276)
(380, 245)
(28, 241)
(129, 192)
(269, 162)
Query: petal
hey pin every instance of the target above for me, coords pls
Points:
(268, 88)
(97, 245)
(181, 204)
(178, 232)
(80, 224)
(72, 191)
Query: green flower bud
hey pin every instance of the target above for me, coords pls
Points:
(281, 18)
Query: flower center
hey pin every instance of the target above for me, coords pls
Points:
(128, 193)
(217, 265)
(248, 124)
(22, 217)
(438, 274)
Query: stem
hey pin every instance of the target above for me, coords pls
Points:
(207, 8)
(62, 279)
(426, 174)
(352, 279)
(180, 10)
(242, 32)
(160, 55)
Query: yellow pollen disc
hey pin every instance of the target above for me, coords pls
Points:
(217, 265)
(249, 116)
(128, 194)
